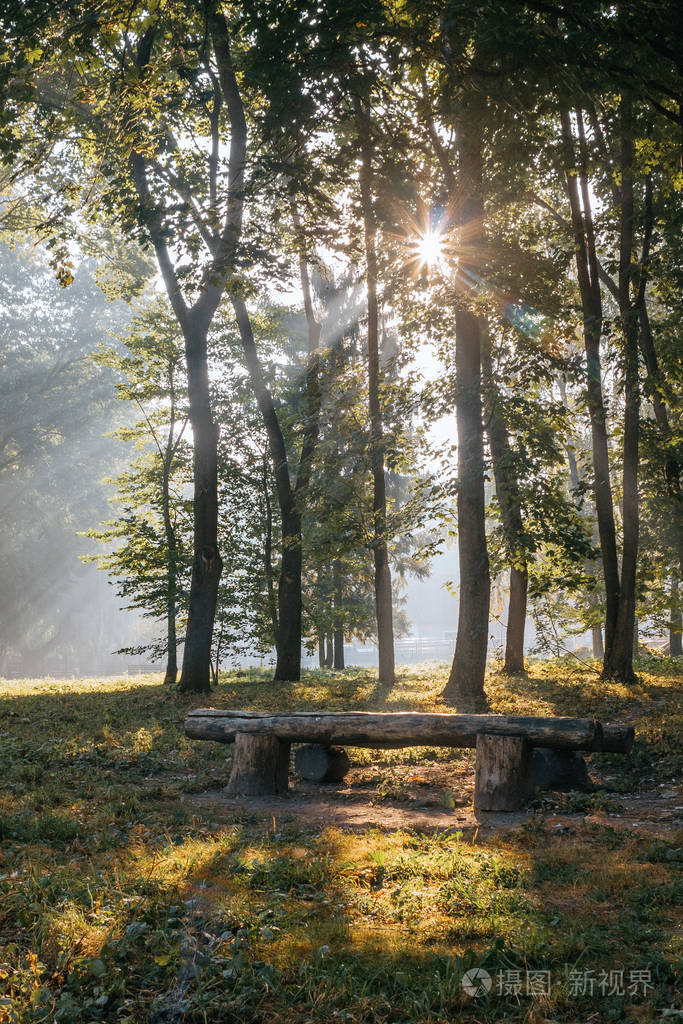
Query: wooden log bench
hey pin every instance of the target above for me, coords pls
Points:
(504, 745)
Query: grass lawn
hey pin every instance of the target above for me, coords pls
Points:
(123, 898)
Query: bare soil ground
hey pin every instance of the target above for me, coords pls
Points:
(439, 796)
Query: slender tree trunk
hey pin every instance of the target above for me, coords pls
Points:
(618, 662)
(514, 635)
(290, 496)
(507, 491)
(171, 578)
(676, 623)
(339, 665)
(591, 302)
(598, 646)
(171, 641)
(207, 563)
(469, 663)
(268, 552)
(288, 634)
(195, 322)
(338, 618)
(171, 542)
(383, 599)
(321, 649)
(288, 662)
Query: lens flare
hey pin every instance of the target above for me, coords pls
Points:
(429, 248)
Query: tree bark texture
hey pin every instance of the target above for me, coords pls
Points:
(338, 618)
(207, 563)
(468, 670)
(503, 773)
(288, 662)
(514, 633)
(338, 662)
(383, 598)
(260, 766)
(676, 622)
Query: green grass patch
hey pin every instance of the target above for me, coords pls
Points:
(122, 901)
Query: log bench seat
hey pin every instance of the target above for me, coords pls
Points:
(504, 745)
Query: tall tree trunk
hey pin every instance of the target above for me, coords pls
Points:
(288, 637)
(618, 663)
(383, 600)
(507, 492)
(207, 563)
(329, 650)
(676, 622)
(338, 664)
(171, 673)
(468, 670)
(591, 303)
(288, 662)
(338, 618)
(268, 552)
(290, 496)
(514, 634)
(195, 322)
(171, 583)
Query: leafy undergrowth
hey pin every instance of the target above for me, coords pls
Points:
(119, 902)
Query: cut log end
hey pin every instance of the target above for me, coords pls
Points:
(617, 739)
(503, 773)
(260, 766)
(317, 763)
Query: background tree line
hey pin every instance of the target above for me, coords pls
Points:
(490, 190)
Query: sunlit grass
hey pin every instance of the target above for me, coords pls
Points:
(120, 900)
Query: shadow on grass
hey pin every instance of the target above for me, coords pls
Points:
(113, 892)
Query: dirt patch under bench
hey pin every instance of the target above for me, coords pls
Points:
(440, 797)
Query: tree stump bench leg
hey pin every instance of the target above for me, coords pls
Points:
(260, 766)
(503, 773)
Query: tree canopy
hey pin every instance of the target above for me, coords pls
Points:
(336, 225)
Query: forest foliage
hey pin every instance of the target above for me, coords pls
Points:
(332, 228)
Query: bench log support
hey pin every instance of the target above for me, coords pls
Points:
(504, 743)
(260, 766)
(503, 773)
(317, 763)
